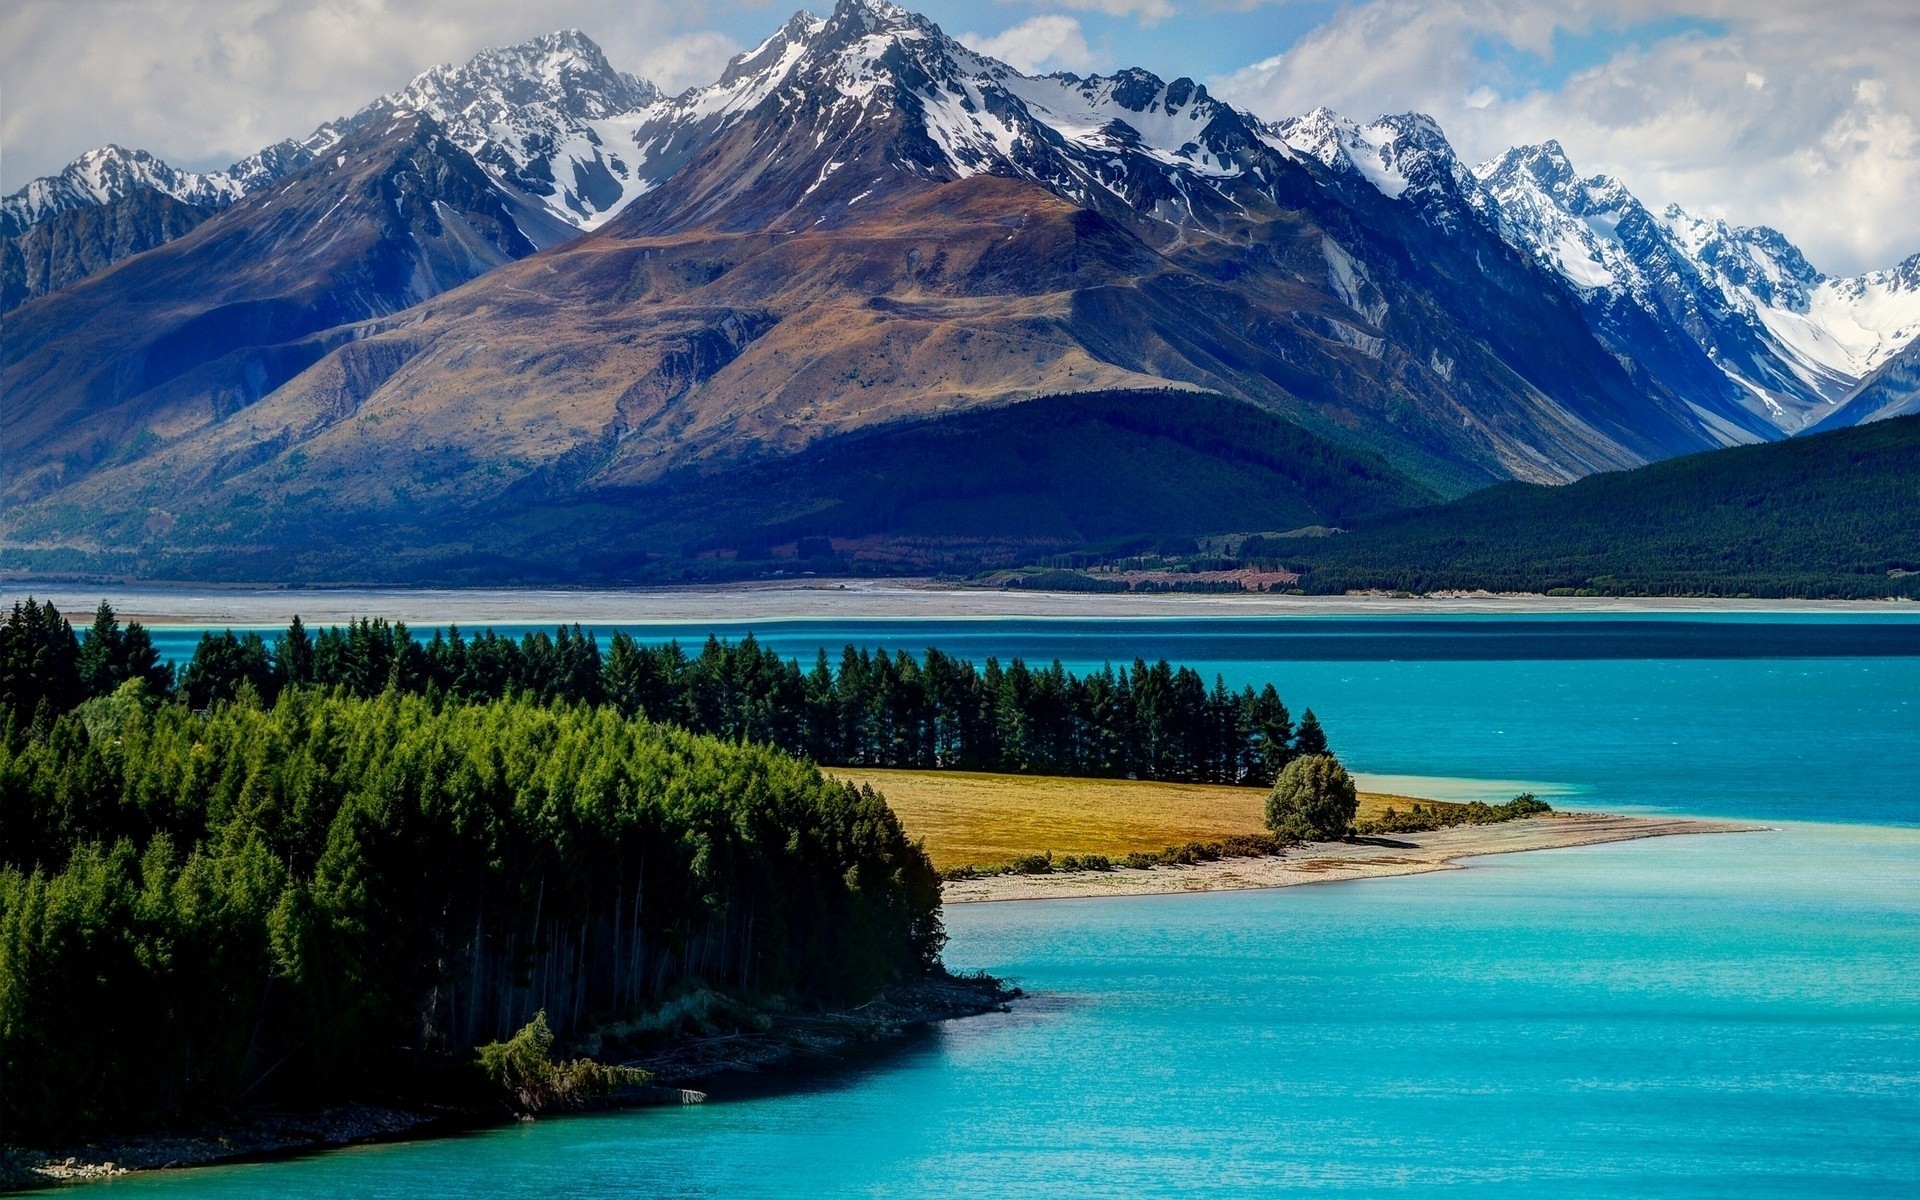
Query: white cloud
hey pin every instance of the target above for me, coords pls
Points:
(689, 60)
(1146, 12)
(1763, 111)
(1037, 44)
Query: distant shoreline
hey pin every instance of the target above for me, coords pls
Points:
(824, 600)
(1329, 862)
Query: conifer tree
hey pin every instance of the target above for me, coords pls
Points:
(39, 661)
(1310, 739)
(293, 654)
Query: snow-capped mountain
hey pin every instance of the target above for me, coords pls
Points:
(1795, 341)
(1733, 319)
(1405, 157)
(862, 227)
(103, 176)
(1131, 138)
(530, 114)
(534, 116)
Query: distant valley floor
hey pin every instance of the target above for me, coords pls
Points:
(822, 599)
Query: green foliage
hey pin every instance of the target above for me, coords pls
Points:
(111, 656)
(251, 903)
(1831, 515)
(1142, 721)
(1313, 800)
(1257, 845)
(39, 662)
(1440, 814)
(523, 1069)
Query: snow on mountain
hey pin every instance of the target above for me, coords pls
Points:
(1131, 137)
(535, 116)
(1405, 157)
(1794, 340)
(531, 115)
(103, 176)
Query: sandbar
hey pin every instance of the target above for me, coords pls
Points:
(1326, 862)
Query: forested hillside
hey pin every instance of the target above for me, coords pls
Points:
(1832, 515)
(245, 903)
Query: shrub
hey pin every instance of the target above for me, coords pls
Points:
(1314, 800)
(522, 1067)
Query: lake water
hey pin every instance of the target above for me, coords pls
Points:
(1732, 1015)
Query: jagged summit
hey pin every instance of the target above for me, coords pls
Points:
(861, 232)
(1791, 339)
(103, 176)
(876, 85)
(1405, 156)
(528, 113)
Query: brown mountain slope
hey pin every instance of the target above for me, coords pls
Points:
(169, 341)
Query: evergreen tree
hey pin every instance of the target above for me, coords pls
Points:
(111, 655)
(1310, 739)
(39, 661)
(293, 654)
(223, 664)
(1272, 729)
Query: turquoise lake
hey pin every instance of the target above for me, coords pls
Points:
(1727, 1015)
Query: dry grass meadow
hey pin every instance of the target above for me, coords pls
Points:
(967, 818)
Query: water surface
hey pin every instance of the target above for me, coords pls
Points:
(1733, 1015)
(1736, 1015)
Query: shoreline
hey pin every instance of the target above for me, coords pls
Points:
(790, 1045)
(161, 606)
(1374, 857)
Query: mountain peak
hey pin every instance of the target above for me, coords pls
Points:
(565, 71)
(1403, 155)
(104, 175)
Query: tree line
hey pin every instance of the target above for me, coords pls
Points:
(874, 709)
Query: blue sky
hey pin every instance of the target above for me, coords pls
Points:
(1801, 114)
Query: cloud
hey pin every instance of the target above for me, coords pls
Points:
(203, 82)
(1146, 12)
(690, 60)
(1760, 111)
(1037, 44)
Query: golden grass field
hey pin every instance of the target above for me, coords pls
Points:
(966, 818)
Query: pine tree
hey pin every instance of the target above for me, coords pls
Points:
(1272, 729)
(1310, 739)
(293, 654)
(39, 661)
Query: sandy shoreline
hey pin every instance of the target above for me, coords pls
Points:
(1324, 862)
(823, 600)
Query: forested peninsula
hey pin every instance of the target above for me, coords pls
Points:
(352, 859)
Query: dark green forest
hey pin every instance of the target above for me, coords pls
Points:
(288, 897)
(1834, 515)
(1143, 721)
(296, 866)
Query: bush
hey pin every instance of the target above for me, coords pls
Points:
(1314, 800)
(522, 1067)
(1440, 814)
(1086, 862)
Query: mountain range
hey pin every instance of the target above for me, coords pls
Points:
(529, 318)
